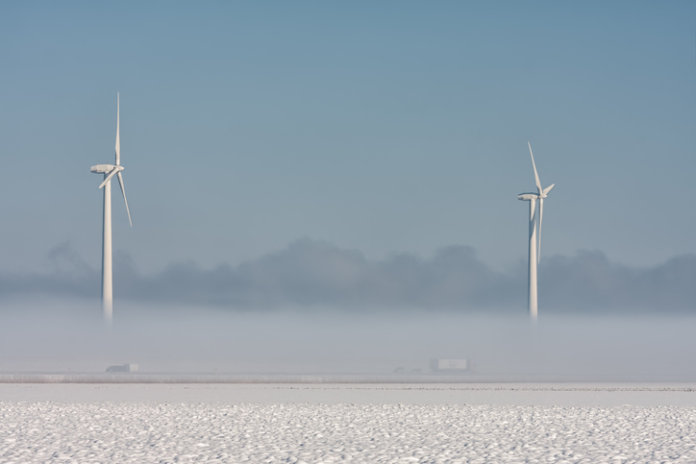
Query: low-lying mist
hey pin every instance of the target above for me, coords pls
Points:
(72, 337)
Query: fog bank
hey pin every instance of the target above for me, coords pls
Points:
(71, 337)
(314, 274)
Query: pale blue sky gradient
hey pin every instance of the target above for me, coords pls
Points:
(383, 127)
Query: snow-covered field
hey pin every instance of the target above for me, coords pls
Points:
(362, 423)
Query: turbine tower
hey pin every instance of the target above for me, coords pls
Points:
(534, 237)
(109, 171)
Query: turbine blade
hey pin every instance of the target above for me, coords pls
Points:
(549, 188)
(108, 178)
(536, 174)
(123, 191)
(541, 220)
(118, 137)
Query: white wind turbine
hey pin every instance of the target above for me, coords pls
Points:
(109, 171)
(534, 239)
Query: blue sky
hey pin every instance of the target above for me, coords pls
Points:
(382, 127)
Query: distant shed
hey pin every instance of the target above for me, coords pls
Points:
(449, 365)
(123, 368)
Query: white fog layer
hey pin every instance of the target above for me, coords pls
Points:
(72, 338)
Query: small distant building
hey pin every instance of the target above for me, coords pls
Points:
(123, 368)
(449, 365)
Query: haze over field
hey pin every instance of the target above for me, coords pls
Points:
(181, 339)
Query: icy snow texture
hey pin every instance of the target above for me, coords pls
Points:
(40, 431)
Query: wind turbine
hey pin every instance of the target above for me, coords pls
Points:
(534, 239)
(109, 171)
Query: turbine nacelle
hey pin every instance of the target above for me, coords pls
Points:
(115, 170)
(103, 168)
(527, 196)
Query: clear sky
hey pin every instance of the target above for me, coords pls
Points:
(377, 126)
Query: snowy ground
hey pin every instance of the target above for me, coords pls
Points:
(361, 423)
